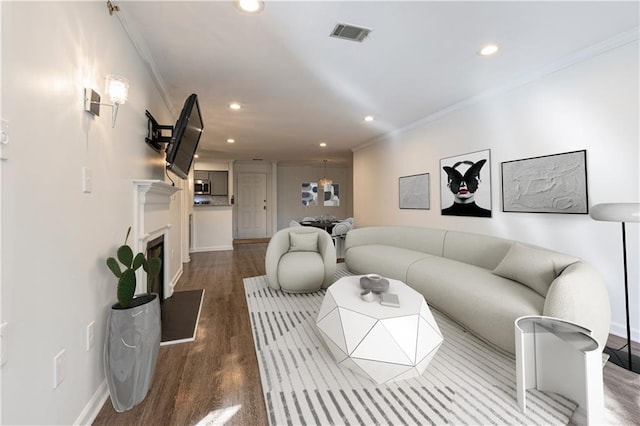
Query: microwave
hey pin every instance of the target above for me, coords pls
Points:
(202, 187)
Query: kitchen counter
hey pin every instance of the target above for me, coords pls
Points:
(212, 227)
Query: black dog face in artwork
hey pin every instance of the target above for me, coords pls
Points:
(463, 187)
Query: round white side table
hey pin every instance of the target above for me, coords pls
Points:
(559, 356)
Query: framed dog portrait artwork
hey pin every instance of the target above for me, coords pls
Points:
(465, 184)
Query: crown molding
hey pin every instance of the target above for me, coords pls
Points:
(578, 56)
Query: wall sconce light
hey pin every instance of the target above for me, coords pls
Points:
(116, 89)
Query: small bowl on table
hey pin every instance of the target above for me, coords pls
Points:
(375, 283)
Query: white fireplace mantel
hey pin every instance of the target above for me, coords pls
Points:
(154, 191)
(151, 218)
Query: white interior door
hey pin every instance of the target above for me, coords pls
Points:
(252, 205)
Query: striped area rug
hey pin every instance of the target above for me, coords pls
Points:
(467, 382)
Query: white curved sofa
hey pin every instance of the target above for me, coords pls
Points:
(482, 282)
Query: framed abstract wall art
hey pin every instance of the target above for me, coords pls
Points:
(414, 192)
(554, 183)
(317, 195)
(309, 194)
(331, 195)
(465, 184)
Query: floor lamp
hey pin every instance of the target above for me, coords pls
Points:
(621, 212)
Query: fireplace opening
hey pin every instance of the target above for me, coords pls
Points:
(155, 248)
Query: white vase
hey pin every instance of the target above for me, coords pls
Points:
(131, 350)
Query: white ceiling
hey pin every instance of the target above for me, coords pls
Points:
(300, 87)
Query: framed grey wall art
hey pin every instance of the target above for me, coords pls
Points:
(316, 195)
(465, 184)
(554, 183)
(331, 195)
(414, 192)
(309, 194)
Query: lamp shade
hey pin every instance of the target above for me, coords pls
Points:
(117, 88)
(616, 212)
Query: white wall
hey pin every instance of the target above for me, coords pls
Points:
(211, 165)
(591, 105)
(54, 237)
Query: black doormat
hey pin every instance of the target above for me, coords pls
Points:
(179, 316)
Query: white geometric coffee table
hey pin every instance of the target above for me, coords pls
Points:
(380, 342)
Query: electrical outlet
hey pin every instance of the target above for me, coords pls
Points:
(4, 137)
(59, 364)
(3, 343)
(87, 179)
(4, 132)
(90, 335)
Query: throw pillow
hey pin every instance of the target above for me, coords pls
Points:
(307, 241)
(533, 267)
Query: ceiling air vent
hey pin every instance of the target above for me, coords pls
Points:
(350, 32)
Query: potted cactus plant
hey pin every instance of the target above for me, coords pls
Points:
(133, 337)
(127, 278)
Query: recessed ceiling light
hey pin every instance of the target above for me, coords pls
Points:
(323, 144)
(251, 6)
(368, 118)
(235, 106)
(196, 156)
(489, 49)
(231, 140)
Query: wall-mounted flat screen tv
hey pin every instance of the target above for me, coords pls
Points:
(185, 138)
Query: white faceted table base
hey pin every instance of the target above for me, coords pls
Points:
(382, 343)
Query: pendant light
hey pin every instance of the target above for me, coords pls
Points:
(325, 180)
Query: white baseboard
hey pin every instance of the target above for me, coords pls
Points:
(174, 282)
(214, 248)
(176, 277)
(621, 331)
(93, 407)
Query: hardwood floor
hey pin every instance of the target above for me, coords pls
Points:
(621, 388)
(220, 370)
(217, 371)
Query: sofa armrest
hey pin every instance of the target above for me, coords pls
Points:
(328, 252)
(579, 295)
(278, 246)
(363, 236)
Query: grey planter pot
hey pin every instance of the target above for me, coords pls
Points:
(131, 350)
